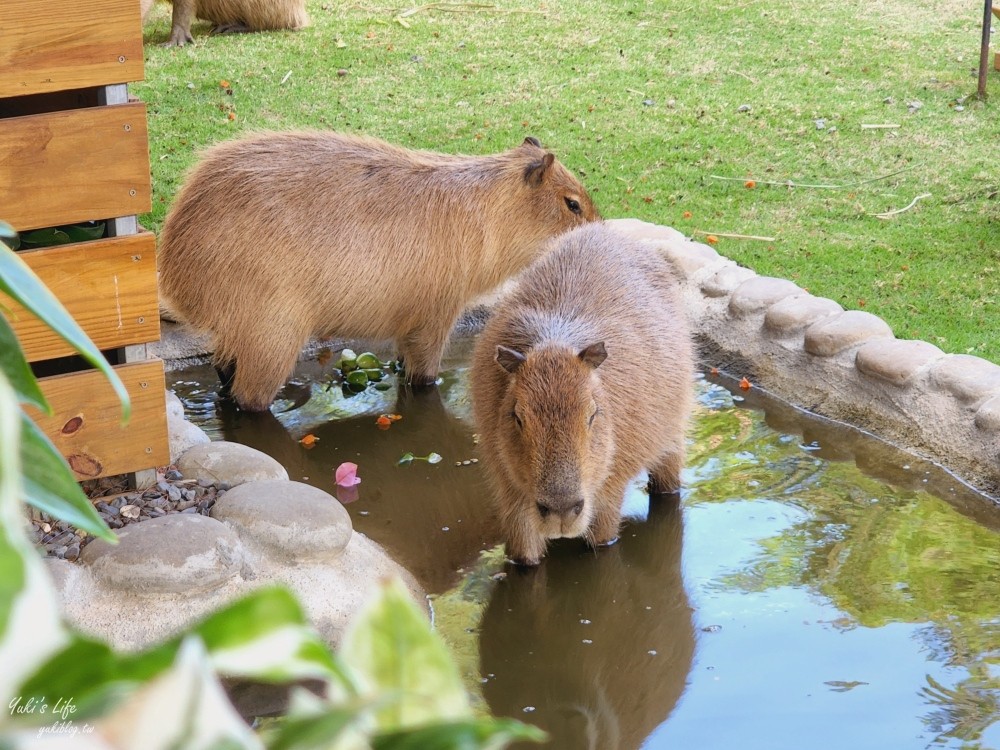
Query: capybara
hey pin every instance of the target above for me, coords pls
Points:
(231, 16)
(582, 377)
(281, 236)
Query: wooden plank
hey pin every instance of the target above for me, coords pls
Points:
(87, 427)
(54, 45)
(108, 286)
(78, 165)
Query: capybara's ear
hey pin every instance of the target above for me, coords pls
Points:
(532, 141)
(535, 172)
(508, 359)
(594, 354)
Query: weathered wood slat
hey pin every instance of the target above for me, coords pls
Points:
(108, 286)
(76, 165)
(68, 44)
(87, 427)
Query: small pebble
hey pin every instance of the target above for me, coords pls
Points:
(203, 482)
(743, 108)
(72, 553)
(173, 475)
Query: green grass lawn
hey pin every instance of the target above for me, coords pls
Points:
(650, 102)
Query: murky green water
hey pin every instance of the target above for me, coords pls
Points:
(790, 600)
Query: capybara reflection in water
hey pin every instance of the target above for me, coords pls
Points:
(279, 237)
(582, 378)
(230, 16)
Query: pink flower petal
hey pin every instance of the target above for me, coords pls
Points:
(347, 474)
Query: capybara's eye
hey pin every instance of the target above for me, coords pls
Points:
(590, 421)
(517, 419)
(573, 205)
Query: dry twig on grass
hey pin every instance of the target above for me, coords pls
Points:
(792, 184)
(732, 236)
(896, 212)
(463, 8)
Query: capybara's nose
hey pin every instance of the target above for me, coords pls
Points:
(565, 507)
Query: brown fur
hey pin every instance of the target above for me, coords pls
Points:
(562, 430)
(279, 237)
(230, 16)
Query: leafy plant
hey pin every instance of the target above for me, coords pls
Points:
(392, 687)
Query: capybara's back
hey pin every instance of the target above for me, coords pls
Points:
(282, 236)
(582, 378)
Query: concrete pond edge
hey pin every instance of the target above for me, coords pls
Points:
(845, 365)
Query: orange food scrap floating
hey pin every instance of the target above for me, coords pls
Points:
(308, 440)
(383, 422)
(745, 384)
(393, 417)
(750, 184)
(711, 239)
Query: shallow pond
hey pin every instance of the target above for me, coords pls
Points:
(812, 587)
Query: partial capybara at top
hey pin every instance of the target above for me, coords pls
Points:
(230, 16)
(582, 378)
(278, 237)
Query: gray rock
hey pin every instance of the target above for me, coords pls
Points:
(833, 335)
(725, 281)
(230, 462)
(895, 361)
(644, 230)
(181, 433)
(968, 378)
(760, 292)
(690, 257)
(988, 415)
(792, 314)
(295, 520)
(177, 553)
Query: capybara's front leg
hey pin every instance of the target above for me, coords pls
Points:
(422, 350)
(665, 476)
(608, 514)
(525, 546)
(180, 24)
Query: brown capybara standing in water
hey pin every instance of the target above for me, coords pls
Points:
(582, 378)
(232, 16)
(282, 236)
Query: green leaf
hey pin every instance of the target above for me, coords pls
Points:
(266, 636)
(84, 232)
(478, 734)
(48, 237)
(8, 235)
(407, 458)
(18, 281)
(94, 675)
(18, 372)
(50, 486)
(263, 636)
(390, 645)
(313, 731)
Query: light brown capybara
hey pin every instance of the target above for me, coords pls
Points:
(278, 237)
(582, 378)
(232, 16)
